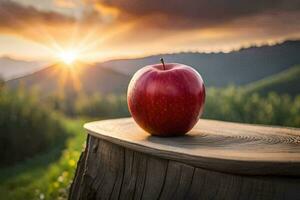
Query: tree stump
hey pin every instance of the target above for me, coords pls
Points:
(216, 160)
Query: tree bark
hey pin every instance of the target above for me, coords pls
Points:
(108, 170)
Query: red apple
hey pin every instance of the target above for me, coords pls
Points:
(166, 99)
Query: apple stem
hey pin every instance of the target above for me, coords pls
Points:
(163, 62)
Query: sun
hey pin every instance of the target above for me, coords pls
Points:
(69, 57)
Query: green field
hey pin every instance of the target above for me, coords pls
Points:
(48, 175)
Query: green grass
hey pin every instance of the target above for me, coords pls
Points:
(286, 82)
(46, 176)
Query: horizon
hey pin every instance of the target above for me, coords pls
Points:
(241, 48)
(15, 68)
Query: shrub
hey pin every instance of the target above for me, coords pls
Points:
(232, 104)
(26, 126)
(109, 106)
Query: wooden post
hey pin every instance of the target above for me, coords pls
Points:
(216, 160)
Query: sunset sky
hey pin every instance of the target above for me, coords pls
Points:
(103, 29)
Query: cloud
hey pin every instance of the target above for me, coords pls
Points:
(65, 3)
(155, 17)
(197, 13)
(194, 23)
(29, 22)
(138, 27)
(15, 15)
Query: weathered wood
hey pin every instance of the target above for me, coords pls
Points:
(222, 146)
(123, 162)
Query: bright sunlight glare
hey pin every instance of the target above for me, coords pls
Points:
(68, 56)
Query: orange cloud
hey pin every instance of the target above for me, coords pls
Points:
(28, 21)
(195, 13)
(65, 3)
(15, 15)
(112, 28)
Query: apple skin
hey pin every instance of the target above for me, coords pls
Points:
(166, 101)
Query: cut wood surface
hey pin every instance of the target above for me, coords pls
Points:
(213, 145)
(216, 160)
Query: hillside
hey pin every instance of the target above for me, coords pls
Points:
(89, 79)
(220, 69)
(12, 68)
(286, 82)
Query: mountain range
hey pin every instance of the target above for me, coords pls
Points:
(220, 69)
(60, 78)
(12, 68)
(239, 68)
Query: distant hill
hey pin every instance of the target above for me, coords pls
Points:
(12, 68)
(217, 69)
(220, 69)
(58, 78)
(286, 82)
